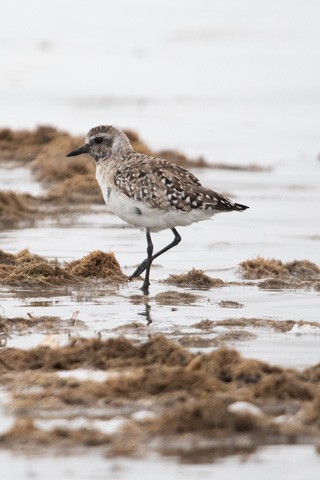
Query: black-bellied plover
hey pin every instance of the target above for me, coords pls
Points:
(147, 192)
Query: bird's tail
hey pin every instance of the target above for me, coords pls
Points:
(239, 207)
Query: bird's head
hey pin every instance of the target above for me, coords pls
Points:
(104, 142)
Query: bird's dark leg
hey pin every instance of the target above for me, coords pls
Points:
(141, 268)
(146, 283)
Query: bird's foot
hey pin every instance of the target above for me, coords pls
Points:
(145, 288)
(140, 269)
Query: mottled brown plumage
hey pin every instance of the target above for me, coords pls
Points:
(162, 184)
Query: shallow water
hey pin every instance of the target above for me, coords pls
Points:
(300, 461)
(265, 229)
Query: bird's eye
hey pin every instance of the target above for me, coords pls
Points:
(98, 140)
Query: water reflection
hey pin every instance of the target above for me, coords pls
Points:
(146, 313)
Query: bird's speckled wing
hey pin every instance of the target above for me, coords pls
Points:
(162, 184)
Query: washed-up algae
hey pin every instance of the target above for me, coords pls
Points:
(21, 210)
(18, 209)
(25, 268)
(96, 353)
(196, 341)
(194, 279)
(173, 297)
(24, 145)
(278, 275)
(191, 397)
(209, 415)
(220, 339)
(44, 324)
(25, 430)
(243, 322)
(260, 267)
(22, 324)
(230, 304)
(97, 264)
(79, 189)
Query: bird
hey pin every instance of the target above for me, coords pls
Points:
(147, 192)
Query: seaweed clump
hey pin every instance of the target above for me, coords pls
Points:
(217, 401)
(97, 264)
(260, 267)
(193, 399)
(176, 298)
(42, 324)
(206, 415)
(26, 268)
(97, 353)
(17, 208)
(24, 145)
(26, 430)
(194, 279)
(295, 274)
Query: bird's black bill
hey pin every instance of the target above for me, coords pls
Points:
(78, 151)
(238, 206)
